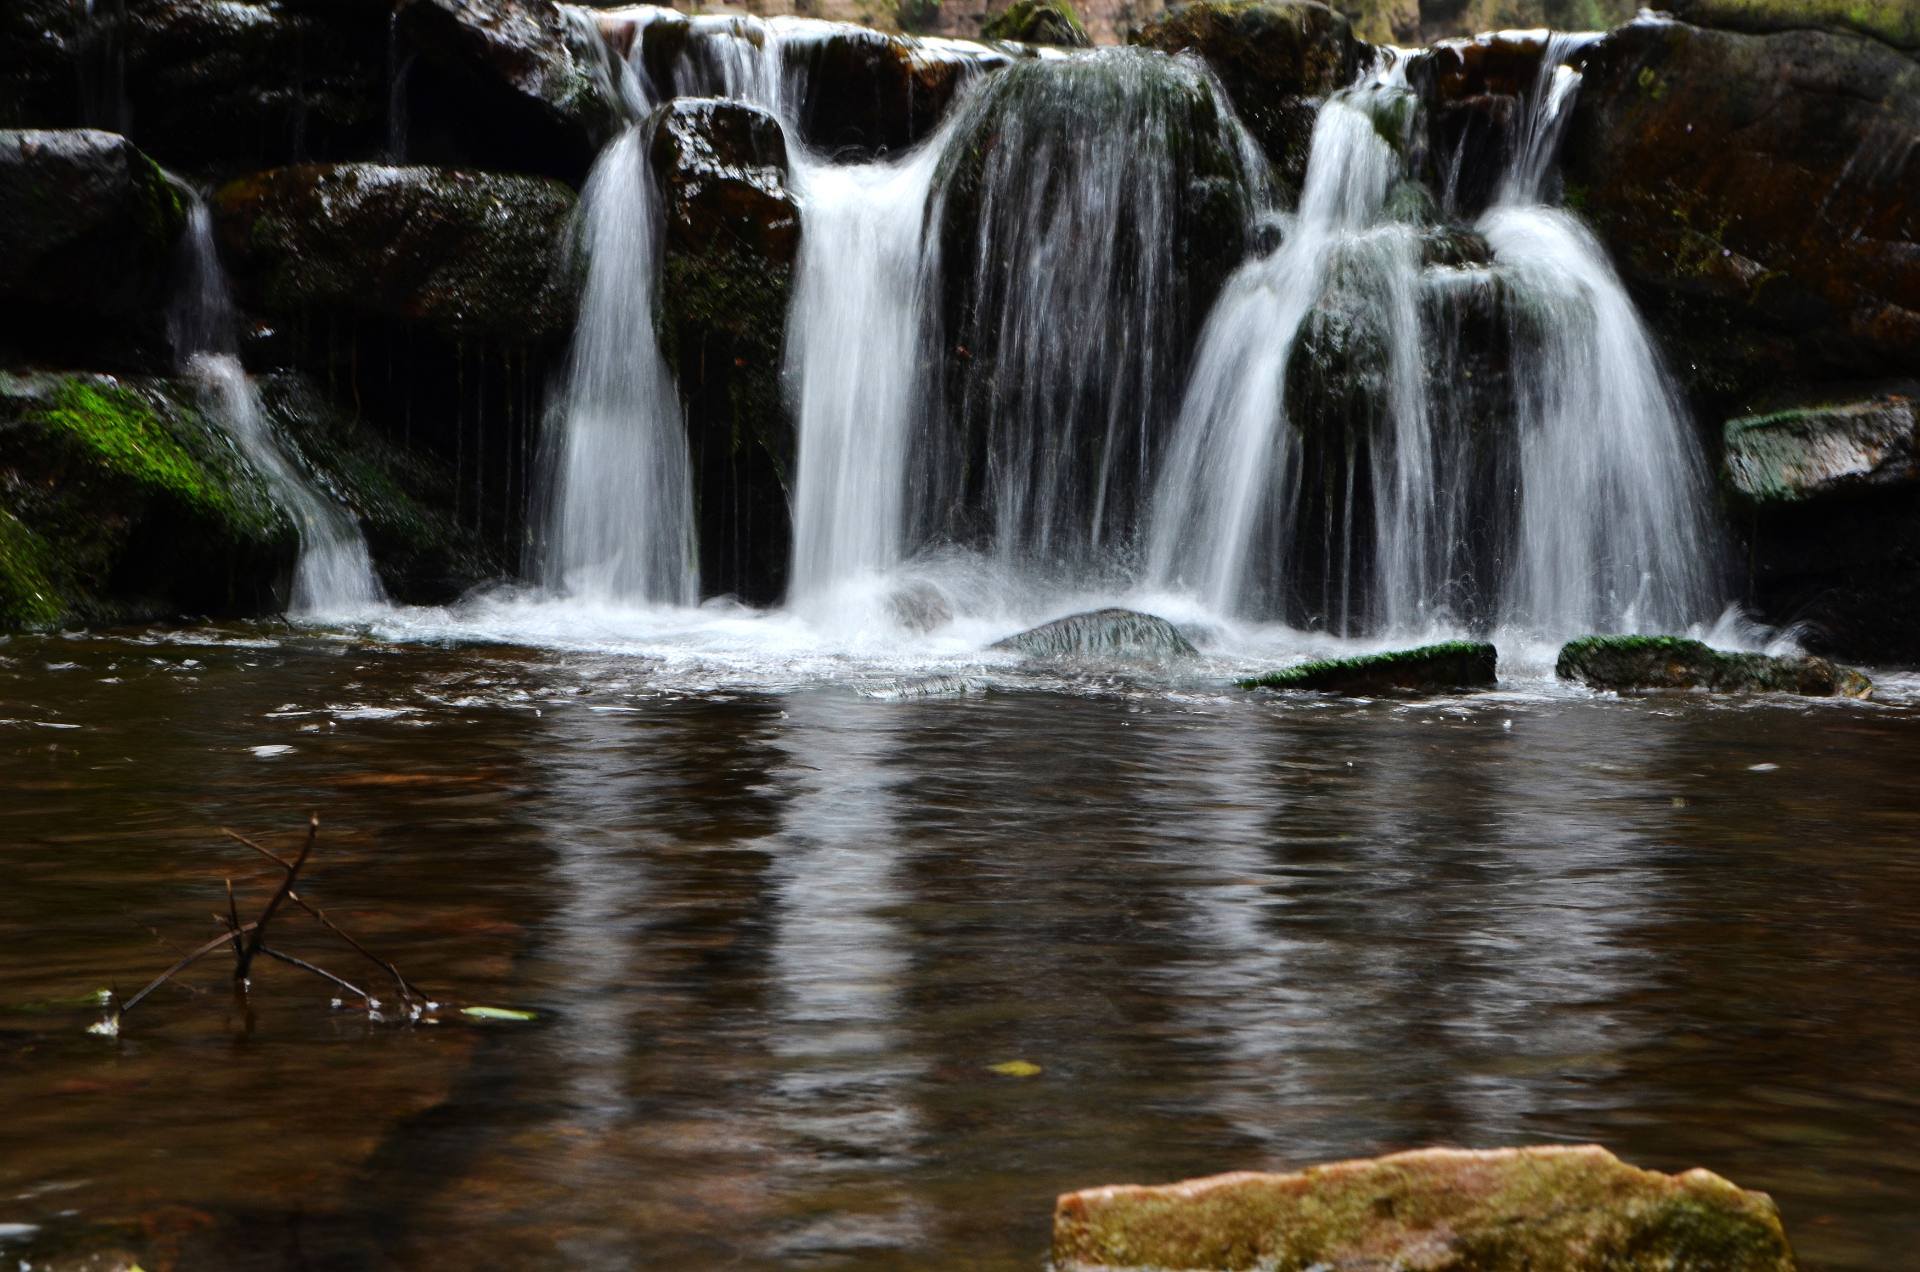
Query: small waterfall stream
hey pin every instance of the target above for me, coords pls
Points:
(333, 574)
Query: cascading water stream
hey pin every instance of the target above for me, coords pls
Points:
(333, 574)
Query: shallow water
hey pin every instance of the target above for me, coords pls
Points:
(778, 915)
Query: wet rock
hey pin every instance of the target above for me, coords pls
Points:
(1278, 59)
(1895, 22)
(1817, 451)
(1100, 636)
(458, 255)
(243, 84)
(119, 501)
(1039, 22)
(732, 232)
(1475, 92)
(1506, 1210)
(1759, 191)
(1628, 663)
(1429, 669)
(517, 85)
(869, 93)
(88, 227)
(920, 607)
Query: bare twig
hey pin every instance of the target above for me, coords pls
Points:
(409, 992)
(233, 919)
(245, 962)
(321, 972)
(183, 964)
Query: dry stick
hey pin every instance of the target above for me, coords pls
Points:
(233, 919)
(408, 990)
(245, 963)
(322, 972)
(185, 963)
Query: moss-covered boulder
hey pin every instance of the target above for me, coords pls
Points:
(1429, 669)
(88, 229)
(1629, 663)
(458, 255)
(1816, 451)
(1507, 1210)
(1895, 22)
(119, 501)
(732, 232)
(1101, 636)
(1762, 192)
(1039, 22)
(517, 85)
(1278, 59)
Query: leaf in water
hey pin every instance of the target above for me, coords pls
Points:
(1015, 1068)
(495, 1013)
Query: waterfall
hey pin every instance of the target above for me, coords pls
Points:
(1233, 473)
(620, 523)
(333, 573)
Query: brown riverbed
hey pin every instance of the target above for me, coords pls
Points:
(775, 937)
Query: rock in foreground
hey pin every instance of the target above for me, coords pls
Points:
(1102, 635)
(1626, 663)
(1570, 1209)
(1456, 664)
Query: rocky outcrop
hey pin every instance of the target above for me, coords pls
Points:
(1759, 193)
(1108, 635)
(1428, 669)
(459, 255)
(1631, 663)
(514, 85)
(1475, 95)
(1895, 22)
(120, 502)
(1039, 22)
(1277, 59)
(1506, 1210)
(732, 233)
(88, 229)
(1820, 451)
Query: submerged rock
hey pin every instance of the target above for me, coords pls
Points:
(732, 233)
(1808, 452)
(1102, 635)
(1627, 663)
(1505, 1210)
(1277, 59)
(88, 228)
(1429, 669)
(1039, 22)
(457, 255)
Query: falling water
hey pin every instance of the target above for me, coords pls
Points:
(620, 526)
(333, 574)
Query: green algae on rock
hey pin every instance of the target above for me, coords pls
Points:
(1627, 663)
(1798, 454)
(1455, 664)
(1570, 1209)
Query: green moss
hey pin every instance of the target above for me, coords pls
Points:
(1446, 665)
(1635, 663)
(27, 597)
(1039, 22)
(120, 433)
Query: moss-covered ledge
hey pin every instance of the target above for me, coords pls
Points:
(1457, 664)
(1631, 663)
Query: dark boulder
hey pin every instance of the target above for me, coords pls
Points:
(1895, 22)
(866, 93)
(120, 501)
(1101, 636)
(1574, 1209)
(515, 85)
(1475, 93)
(460, 255)
(1629, 663)
(88, 230)
(1762, 194)
(732, 233)
(1824, 497)
(1429, 669)
(1278, 59)
(1039, 22)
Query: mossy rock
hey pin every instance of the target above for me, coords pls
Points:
(1438, 668)
(1820, 451)
(1108, 635)
(1629, 663)
(1571, 1209)
(28, 597)
(1039, 22)
(1277, 59)
(1895, 22)
(125, 502)
(459, 256)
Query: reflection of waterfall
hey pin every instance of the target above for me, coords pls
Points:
(333, 574)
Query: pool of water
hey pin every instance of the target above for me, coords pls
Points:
(777, 926)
